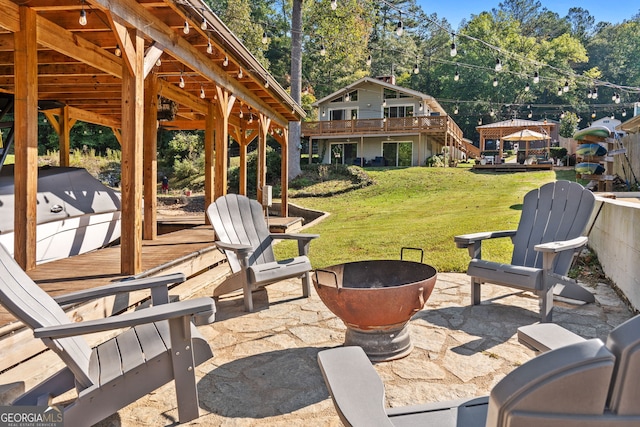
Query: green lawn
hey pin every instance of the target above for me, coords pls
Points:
(419, 207)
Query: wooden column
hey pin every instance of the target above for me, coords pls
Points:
(132, 143)
(62, 124)
(209, 166)
(26, 139)
(225, 104)
(243, 137)
(284, 174)
(150, 157)
(263, 129)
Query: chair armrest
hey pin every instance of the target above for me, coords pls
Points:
(562, 245)
(466, 240)
(127, 285)
(241, 250)
(143, 316)
(355, 387)
(304, 240)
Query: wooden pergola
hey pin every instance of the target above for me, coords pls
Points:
(115, 70)
(495, 131)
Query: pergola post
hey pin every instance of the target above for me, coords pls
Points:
(150, 157)
(132, 142)
(263, 129)
(209, 166)
(26, 139)
(284, 174)
(225, 104)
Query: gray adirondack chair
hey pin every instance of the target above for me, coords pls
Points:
(583, 384)
(161, 345)
(244, 236)
(548, 237)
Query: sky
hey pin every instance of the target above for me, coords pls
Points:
(456, 10)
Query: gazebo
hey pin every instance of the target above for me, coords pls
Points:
(117, 63)
(496, 131)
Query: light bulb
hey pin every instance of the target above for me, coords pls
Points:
(536, 78)
(479, 121)
(203, 24)
(241, 115)
(399, 28)
(613, 97)
(498, 65)
(527, 88)
(624, 113)
(334, 4)
(613, 116)
(617, 98)
(83, 17)
(495, 81)
(251, 118)
(117, 51)
(562, 115)
(384, 102)
(456, 76)
(158, 62)
(240, 74)
(416, 70)
(265, 39)
(185, 29)
(566, 86)
(455, 110)
(492, 113)
(595, 93)
(559, 91)
(420, 107)
(368, 60)
(593, 114)
(266, 84)
(209, 47)
(323, 51)
(453, 52)
(324, 113)
(590, 94)
(202, 94)
(181, 84)
(529, 115)
(226, 61)
(347, 98)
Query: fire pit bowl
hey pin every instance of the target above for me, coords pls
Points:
(376, 300)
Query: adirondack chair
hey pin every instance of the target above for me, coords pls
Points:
(548, 236)
(244, 236)
(161, 345)
(586, 383)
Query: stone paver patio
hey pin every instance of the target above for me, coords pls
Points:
(264, 371)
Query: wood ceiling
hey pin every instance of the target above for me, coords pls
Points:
(79, 66)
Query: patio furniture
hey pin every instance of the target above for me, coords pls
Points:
(244, 236)
(548, 236)
(161, 345)
(586, 383)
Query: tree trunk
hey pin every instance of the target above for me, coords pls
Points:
(296, 87)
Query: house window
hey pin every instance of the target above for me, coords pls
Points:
(397, 153)
(399, 111)
(353, 96)
(347, 114)
(344, 153)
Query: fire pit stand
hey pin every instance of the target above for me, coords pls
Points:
(376, 300)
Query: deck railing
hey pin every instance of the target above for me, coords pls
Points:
(389, 125)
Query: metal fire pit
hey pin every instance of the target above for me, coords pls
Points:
(375, 300)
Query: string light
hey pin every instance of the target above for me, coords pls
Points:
(562, 115)
(369, 60)
(479, 121)
(250, 118)
(384, 102)
(498, 65)
(240, 74)
(241, 115)
(455, 109)
(492, 113)
(185, 29)
(266, 84)
(559, 91)
(536, 78)
(617, 98)
(624, 113)
(209, 46)
(83, 16)
(203, 24)
(590, 94)
(566, 86)
(593, 114)
(347, 97)
(158, 62)
(334, 4)
(456, 76)
(225, 62)
(529, 115)
(265, 39)
(416, 70)
(323, 51)
(202, 94)
(117, 52)
(595, 93)
(527, 87)
(495, 81)
(420, 107)
(181, 84)
(453, 52)
(400, 28)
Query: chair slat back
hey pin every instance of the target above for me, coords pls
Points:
(240, 220)
(624, 343)
(23, 298)
(556, 211)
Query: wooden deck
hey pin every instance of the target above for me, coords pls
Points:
(513, 167)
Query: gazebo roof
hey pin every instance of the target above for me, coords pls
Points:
(515, 123)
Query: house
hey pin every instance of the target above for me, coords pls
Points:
(373, 122)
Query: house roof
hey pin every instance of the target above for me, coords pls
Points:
(427, 99)
(515, 123)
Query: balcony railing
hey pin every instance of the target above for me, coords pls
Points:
(424, 124)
